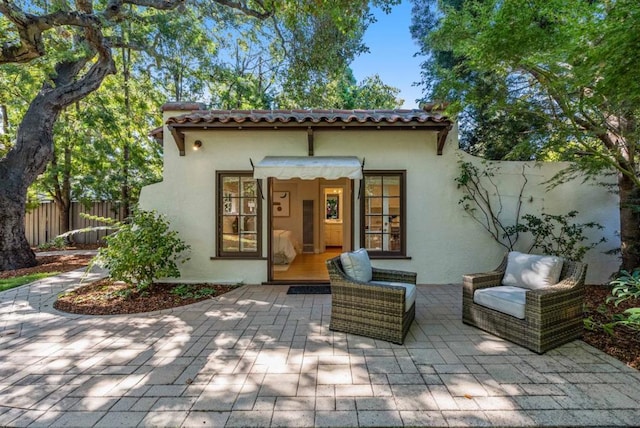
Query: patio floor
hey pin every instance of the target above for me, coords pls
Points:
(259, 357)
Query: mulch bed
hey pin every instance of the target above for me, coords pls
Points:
(61, 263)
(624, 343)
(102, 298)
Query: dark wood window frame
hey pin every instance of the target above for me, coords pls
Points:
(402, 250)
(220, 210)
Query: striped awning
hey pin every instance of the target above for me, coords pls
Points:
(308, 167)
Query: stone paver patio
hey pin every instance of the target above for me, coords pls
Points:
(259, 357)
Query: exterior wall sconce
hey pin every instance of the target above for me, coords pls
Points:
(197, 145)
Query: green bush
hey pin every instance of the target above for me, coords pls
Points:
(557, 235)
(143, 250)
(625, 287)
(57, 243)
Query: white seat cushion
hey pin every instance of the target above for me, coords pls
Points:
(506, 299)
(356, 264)
(409, 294)
(532, 271)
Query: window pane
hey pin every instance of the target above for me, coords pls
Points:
(392, 206)
(373, 185)
(249, 242)
(373, 241)
(373, 205)
(249, 224)
(391, 186)
(373, 223)
(230, 204)
(249, 205)
(249, 186)
(230, 243)
(231, 186)
(230, 224)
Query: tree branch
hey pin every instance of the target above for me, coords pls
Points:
(242, 7)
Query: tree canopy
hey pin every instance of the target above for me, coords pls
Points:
(65, 50)
(548, 79)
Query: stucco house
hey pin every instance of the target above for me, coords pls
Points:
(265, 196)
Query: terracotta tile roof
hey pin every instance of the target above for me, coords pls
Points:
(310, 117)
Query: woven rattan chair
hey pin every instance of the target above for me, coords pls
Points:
(553, 315)
(365, 309)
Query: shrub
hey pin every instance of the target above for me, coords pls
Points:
(57, 243)
(143, 250)
(625, 287)
(556, 235)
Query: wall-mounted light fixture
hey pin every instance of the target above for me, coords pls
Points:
(197, 145)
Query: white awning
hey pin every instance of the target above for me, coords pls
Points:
(308, 167)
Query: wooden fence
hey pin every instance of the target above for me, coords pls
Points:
(43, 223)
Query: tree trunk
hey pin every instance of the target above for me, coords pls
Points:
(4, 119)
(12, 232)
(629, 223)
(34, 150)
(62, 192)
(18, 169)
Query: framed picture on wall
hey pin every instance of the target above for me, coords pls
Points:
(280, 204)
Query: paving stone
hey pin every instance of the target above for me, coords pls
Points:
(345, 403)
(173, 404)
(375, 403)
(206, 419)
(442, 397)
(78, 419)
(354, 391)
(414, 397)
(537, 402)
(336, 419)
(423, 418)
(463, 385)
(386, 418)
(554, 418)
(241, 418)
(120, 419)
(383, 365)
(165, 419)
(509, 418)
(466, 418)
(295, 418)
(334, 374)
(295, 403)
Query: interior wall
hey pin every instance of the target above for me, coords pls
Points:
(299, 190)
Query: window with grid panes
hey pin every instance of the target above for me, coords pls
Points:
(383, 213)
(238, 215)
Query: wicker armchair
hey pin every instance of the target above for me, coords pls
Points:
(365, 309)
(553, 315)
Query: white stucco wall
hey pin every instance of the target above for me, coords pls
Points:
(443, 242)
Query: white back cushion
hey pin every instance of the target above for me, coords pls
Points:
(357, 265)
(532, 271)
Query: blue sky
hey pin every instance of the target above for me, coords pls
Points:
(391, 53)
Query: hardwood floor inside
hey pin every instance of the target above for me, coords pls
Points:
(308, 267)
